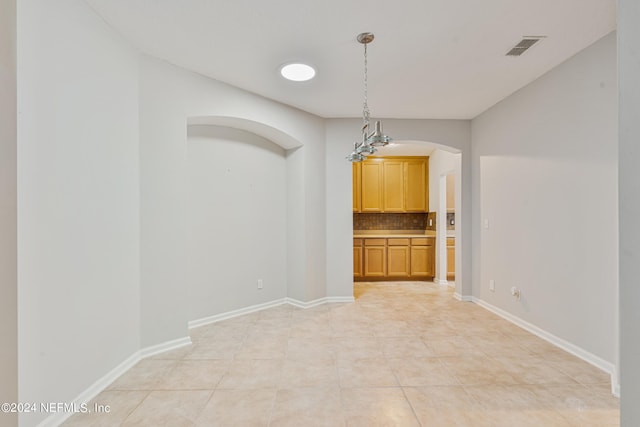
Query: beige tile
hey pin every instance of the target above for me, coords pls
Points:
(366, 373)
(582, 405)
(582, 371)
(169, 409)
(307, 407)
(253, 374)
(517, 405)
(234, 408)
(194, 375)
(311, 328)
(454, 346)
(357, 348)
(145, 375)
(393, 328)
(310, 348)
(350, 328)
(445, 406)
(231, 328)
(309, 373)
(393, 347)
(533, 370)
(221, 348)
(263, 347)
(372, 407)
(478, 370)
(425, 371)
(109, 408)
(369, 363)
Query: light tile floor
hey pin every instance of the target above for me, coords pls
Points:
(404, 354)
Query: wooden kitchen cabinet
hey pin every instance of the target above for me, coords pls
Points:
(423, 257)
(451, 258)
(417, 188)
(393, 258)
(371, 186)
(357, 258)
(357, 186)
(375, 257)
(391, 184)
(398, 258)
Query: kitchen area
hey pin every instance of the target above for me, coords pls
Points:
(394, 231)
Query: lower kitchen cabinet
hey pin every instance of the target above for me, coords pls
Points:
(375, 257)
(398, 258)
(422, 257)
(357, 258)
(451, 258)
(393, 258)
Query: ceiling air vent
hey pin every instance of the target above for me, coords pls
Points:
(523, 45)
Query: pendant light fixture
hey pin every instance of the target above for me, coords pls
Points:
(370, 138)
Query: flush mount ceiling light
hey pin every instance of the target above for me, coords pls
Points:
(297, 72)
(376, 138)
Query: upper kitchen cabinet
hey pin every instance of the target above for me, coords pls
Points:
(357, 177)
(417, 189)
(371, 186)
(391, 184)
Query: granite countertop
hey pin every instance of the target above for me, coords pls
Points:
(372, 234)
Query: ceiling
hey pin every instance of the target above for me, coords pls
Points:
(440, 59)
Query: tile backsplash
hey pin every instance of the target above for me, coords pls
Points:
(390, 221)
(400, 221)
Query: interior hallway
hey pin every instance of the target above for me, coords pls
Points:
(404, 354)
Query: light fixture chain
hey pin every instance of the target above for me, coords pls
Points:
(365, 108)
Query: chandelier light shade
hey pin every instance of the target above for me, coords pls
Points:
(370, 138)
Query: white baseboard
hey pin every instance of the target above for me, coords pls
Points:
(99, 386)
(441, 282)
(165, 346)
(235, 313)
(317, 302)
(463, 298)
(588, 357)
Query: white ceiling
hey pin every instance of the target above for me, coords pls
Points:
(430, 58)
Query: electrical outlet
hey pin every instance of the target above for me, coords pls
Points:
(259, 283)
(492, 285)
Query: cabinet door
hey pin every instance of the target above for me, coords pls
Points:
(423, 259)
(357, 257)
(371, 189)
(417, 190)
(375, 258)
(356, 178)
(398, 260)
(451, 258)
(393, 190)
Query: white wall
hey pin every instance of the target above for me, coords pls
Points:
(441, 163)
(545, 175)
(237, 211)
(340, 135)
(8, 212)
(169, 99)
(629, 202)
(78, 225)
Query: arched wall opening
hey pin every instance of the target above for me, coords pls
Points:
(236, 220)
(443, 161)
